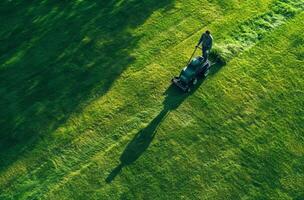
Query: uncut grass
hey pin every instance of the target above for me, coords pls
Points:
(120, 111)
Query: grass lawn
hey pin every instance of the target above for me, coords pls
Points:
(88, 110)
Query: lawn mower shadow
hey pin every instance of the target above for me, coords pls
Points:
(142, 140)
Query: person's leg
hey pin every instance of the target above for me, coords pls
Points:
(205, 53)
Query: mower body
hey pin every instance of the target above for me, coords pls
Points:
(197, 68)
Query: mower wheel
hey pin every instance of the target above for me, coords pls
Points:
(194, 82)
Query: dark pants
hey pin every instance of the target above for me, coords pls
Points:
(205, 53)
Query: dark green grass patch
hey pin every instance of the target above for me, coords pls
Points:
(52, 64)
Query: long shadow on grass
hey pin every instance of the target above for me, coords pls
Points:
(57, 56)
(142, 140)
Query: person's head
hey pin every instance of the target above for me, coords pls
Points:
(208, 32)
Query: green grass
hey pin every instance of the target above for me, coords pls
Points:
(87, 110)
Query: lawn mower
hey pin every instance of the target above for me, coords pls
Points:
(196, 68)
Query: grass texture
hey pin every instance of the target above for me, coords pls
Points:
(88, 110)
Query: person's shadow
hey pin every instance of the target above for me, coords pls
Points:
(138, 145)
(141, 141)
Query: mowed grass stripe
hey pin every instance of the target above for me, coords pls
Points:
(213, 138)
(218, 154)
(87, 166)
(56, 153)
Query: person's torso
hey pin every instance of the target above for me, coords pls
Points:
(207, 40)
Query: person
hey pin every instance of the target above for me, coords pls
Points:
(206, 41)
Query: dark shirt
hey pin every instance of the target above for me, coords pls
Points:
(206, 41)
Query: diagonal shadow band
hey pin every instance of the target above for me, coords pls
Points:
(66, 59)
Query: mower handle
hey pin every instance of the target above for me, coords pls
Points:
(192, 54)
